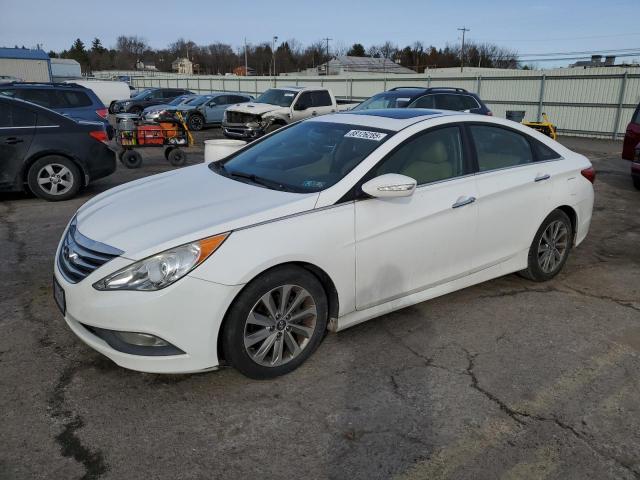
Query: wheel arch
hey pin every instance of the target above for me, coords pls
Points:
(573, 216)
(323, 277)
(46, 153)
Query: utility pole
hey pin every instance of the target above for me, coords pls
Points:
(246, 64)
(463, 30)
(273, 55)
(328, 58)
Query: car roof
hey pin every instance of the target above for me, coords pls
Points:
(393, 119)
(52, 85)
(36, 107)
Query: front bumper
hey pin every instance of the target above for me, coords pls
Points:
(187, 314)
(235, 130)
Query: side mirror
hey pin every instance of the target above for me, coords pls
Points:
(390, 185)
(300, 106)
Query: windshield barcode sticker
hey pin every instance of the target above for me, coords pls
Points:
(365, 134)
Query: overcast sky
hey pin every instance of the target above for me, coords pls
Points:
(537, 26)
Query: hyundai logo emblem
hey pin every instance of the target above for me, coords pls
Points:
(69, 254)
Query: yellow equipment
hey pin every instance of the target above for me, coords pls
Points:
(546, 127)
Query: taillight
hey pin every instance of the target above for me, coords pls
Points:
(589, 174)
(99, 135)
(102, 112)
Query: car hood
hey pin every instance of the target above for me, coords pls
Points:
(255, 108)
(155, 213)
(157, 108)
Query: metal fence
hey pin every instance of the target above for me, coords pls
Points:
(582, 104)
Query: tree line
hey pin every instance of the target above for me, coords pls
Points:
(290, 55)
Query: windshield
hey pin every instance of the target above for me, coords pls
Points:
(179, 100)
(275, 96)
(198, 100)
(384, 100)
(143, 93)
(306, 157)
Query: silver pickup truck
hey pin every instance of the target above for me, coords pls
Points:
(277, 107)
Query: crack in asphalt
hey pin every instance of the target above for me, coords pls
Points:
(68, 440)
(518, 415)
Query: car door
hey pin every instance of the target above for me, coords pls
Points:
(301, 106)
(321, 103)
(214, 109)
(514, 193)
(408, 244)
(17, 127)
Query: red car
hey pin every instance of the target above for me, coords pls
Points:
(631, 147)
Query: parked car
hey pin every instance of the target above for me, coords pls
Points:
(324, 224)
(49, 154)
(278, 107)
(203, 110)
(147, 98)
(152, 113)
(442, 98)
(69, 99)
(631, 147)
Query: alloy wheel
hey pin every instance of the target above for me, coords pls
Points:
(553, 246)
(280, 325)
(55, 179)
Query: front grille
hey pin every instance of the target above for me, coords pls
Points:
(79, 256)
(239, 117)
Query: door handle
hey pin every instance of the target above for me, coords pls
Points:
(13, 140)
(462, 201)
(541, 178)
(314, 113)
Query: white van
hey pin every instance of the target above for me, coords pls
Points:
(106, 90)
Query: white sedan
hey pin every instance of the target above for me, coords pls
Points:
(321, 225)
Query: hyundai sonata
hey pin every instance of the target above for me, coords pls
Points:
(322, 225)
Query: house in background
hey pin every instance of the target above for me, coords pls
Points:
(146, 66)
(242, 72)
(182, 65)
(25, 64)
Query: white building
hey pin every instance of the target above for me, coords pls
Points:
(25, 64)
(182, 65)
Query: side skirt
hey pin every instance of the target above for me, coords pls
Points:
(512, 265)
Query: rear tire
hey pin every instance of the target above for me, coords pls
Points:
(177, 157)
(131, 159)
(550, 247)
(54, 178)
(636, 182)
(265, 337)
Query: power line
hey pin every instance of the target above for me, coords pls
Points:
(586, 52)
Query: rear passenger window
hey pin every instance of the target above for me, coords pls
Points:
(543, 152)
(500, 148)
(468, 102)
(321, 98)
(71, 99)
(430, 157)
(15, 116)
(43, 97)
(424, 102)
(450, 102)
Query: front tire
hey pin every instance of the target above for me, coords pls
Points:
(54, 178)
(550, 247)
(177, 157)
(131, 159)
(276, 323)
(195, 122)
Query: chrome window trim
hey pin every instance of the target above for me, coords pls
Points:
(33, 126)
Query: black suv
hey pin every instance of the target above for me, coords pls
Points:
(147, 98)
(49, 154)
(441, 98)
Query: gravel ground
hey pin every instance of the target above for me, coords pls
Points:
(508, 379)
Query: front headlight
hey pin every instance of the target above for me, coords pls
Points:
(162, 269)
(126, 103)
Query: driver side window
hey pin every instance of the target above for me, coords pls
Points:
(430, 157)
